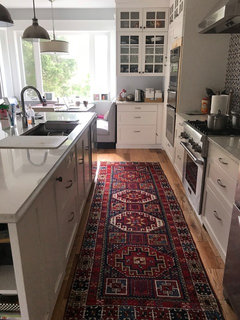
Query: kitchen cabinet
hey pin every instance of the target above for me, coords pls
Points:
(94, 162)
(137, 125)
(41, 239)
(137, 19)
(220, 185)
(178, 149)
(141, 53)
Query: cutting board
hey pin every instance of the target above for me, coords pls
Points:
(30, 142)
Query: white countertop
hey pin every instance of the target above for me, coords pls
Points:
(229, 144)
(24, 172)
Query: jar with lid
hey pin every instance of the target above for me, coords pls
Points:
(205, 105)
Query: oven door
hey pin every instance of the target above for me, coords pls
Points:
(170, 125)
(193, 178)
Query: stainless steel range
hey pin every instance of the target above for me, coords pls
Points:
(195, 144)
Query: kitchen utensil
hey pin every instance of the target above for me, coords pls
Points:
(130, 97)
(217, 122)
(235, 120)
(139, 95)
(219, 102)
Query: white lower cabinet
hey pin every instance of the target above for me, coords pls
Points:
(220, 186)
(42, 239)
(139, 125)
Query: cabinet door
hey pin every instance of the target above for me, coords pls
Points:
(154, 53)
(87, 161)
(156, 19)
(129, 19)
(49, 234)
(129, 53)
(80, 174)
(94, 162)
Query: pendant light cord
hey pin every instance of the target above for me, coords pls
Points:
(54, 37)
(34, 10)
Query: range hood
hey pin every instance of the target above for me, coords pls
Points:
(224, 18)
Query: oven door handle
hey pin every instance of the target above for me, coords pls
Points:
(195, 159)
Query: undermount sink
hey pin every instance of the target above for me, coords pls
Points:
(52, 128)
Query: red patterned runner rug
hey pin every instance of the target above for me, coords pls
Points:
(138, 259)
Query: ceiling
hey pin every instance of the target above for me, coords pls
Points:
(59, 3)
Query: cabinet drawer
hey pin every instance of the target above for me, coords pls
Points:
(68, 221)
(137, 118)
(222, 181)
(217, 219)
(66, 180)
(224, 161)
(136, 107)
(137, 135)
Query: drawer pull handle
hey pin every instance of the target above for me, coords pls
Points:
(70, 184)
(138, 108)
(216, 216)
(137, 117)
(71, 216)
(80, 161)
(179, 157)
(137, 131)
(220, 183)
(222, 162)
(60, 179)
(180, 124)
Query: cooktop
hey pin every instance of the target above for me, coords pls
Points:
(201, 126)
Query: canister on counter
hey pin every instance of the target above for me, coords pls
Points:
(205, 105)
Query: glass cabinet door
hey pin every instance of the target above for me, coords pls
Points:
(154, 53)
(156, 19)
(129, 53)
(129, 19)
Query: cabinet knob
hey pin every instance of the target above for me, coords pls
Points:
(71, 216)
(60, 179)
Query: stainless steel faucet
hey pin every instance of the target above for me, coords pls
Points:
(24, 114)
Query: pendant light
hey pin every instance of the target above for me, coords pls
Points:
(5, 18)
(35, 32)
(54, 46)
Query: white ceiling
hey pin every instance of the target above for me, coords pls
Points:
(59, 3)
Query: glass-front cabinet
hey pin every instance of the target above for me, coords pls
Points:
(155, 19)
(142, 19)
(154, 53)
(142, 53)
(129, 20)
(130, 58)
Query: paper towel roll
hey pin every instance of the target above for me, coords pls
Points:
(219, 102)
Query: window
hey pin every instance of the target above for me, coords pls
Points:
(84, 72)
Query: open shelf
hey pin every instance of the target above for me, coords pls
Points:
(7, 280)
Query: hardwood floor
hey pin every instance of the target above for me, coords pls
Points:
(211, 259)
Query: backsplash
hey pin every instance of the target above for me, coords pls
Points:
(233, 70)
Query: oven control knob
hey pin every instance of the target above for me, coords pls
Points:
(184, 135)
(198, 148)
(191, 141)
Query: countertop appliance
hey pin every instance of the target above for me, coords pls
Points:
(139, 95)
(195, 143)
(231, 279)
(223, 18)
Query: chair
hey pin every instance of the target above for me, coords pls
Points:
(106, 128)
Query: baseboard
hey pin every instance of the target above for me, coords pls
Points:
(106, 145)
(138, 146)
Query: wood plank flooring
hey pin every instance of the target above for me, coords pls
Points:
(209, 255)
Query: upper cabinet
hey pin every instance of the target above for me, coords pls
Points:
(142, 19)
(142, 53)
(176, 9)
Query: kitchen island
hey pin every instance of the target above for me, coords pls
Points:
(43, 192)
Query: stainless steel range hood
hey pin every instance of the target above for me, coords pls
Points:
(224, 18)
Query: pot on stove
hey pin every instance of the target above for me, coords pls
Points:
(235, 120)
(217, 122)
